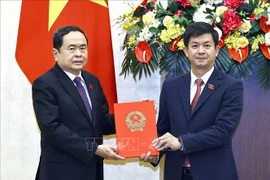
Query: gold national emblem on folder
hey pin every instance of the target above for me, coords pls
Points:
(135, 124)
(135, 121)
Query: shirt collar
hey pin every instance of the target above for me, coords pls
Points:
(205, 77)
(72, 76)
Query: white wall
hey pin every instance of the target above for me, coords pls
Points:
(20, 146)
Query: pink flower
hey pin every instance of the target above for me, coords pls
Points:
(252, 17)
(233, 3)
(184, 3)
(230, 22)
(178, 13)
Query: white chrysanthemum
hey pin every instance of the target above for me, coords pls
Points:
(218, 19)
(268, 21)
(155, 23)
(200, 14)
(218, 1)
(145, 34)
(211, 2)
(267, 39)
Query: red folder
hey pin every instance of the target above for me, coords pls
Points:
(135, 124)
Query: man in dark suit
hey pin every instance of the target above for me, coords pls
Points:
(72, 121)
(197, 118)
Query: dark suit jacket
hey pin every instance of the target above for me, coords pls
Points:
(207, 132)
(69, 138)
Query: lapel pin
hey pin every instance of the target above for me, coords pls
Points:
(211, 86)
(91, 86)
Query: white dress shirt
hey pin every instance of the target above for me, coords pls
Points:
(72, 77)
(193, 85)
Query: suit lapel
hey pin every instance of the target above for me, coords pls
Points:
(69, 86)
(184, 90)
(211, 85)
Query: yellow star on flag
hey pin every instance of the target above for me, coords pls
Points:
(56, 7)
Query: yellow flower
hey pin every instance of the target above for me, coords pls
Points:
(148, 18)
(176, 31)
(258, 11)
(245, 26)
(164, 36)
(131, 40)
(172, 32)
(256, 42)
(243, 42)
(126, 26)
(236, 41)
(220, 10)
(181, 44)
(168, 21)
(232, 40)
(265, 5)
(126, 14)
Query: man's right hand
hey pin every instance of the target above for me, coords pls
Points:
(108, 152)
(148, 158)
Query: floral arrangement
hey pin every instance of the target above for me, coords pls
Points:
(153, 37)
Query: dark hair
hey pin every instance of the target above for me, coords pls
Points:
(59, 33)
(199, 28)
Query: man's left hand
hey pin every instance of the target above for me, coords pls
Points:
(166, 141)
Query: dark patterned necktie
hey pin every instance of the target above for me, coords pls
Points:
(82, 92)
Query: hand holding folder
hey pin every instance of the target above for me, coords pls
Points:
(135, 124)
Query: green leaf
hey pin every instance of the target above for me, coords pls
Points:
(255, 27)
(160, 8)
(128, 58)
(208, 10)
(158, 52)
(172, 5)
(264, 13)
(140, 25)
(224, 60)
(174, 63)
(263, 71)
(251, 3)
(153, 29)
(131, 31)
(140, 12)
(242, 70)
(150, 5)
(256, 2)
